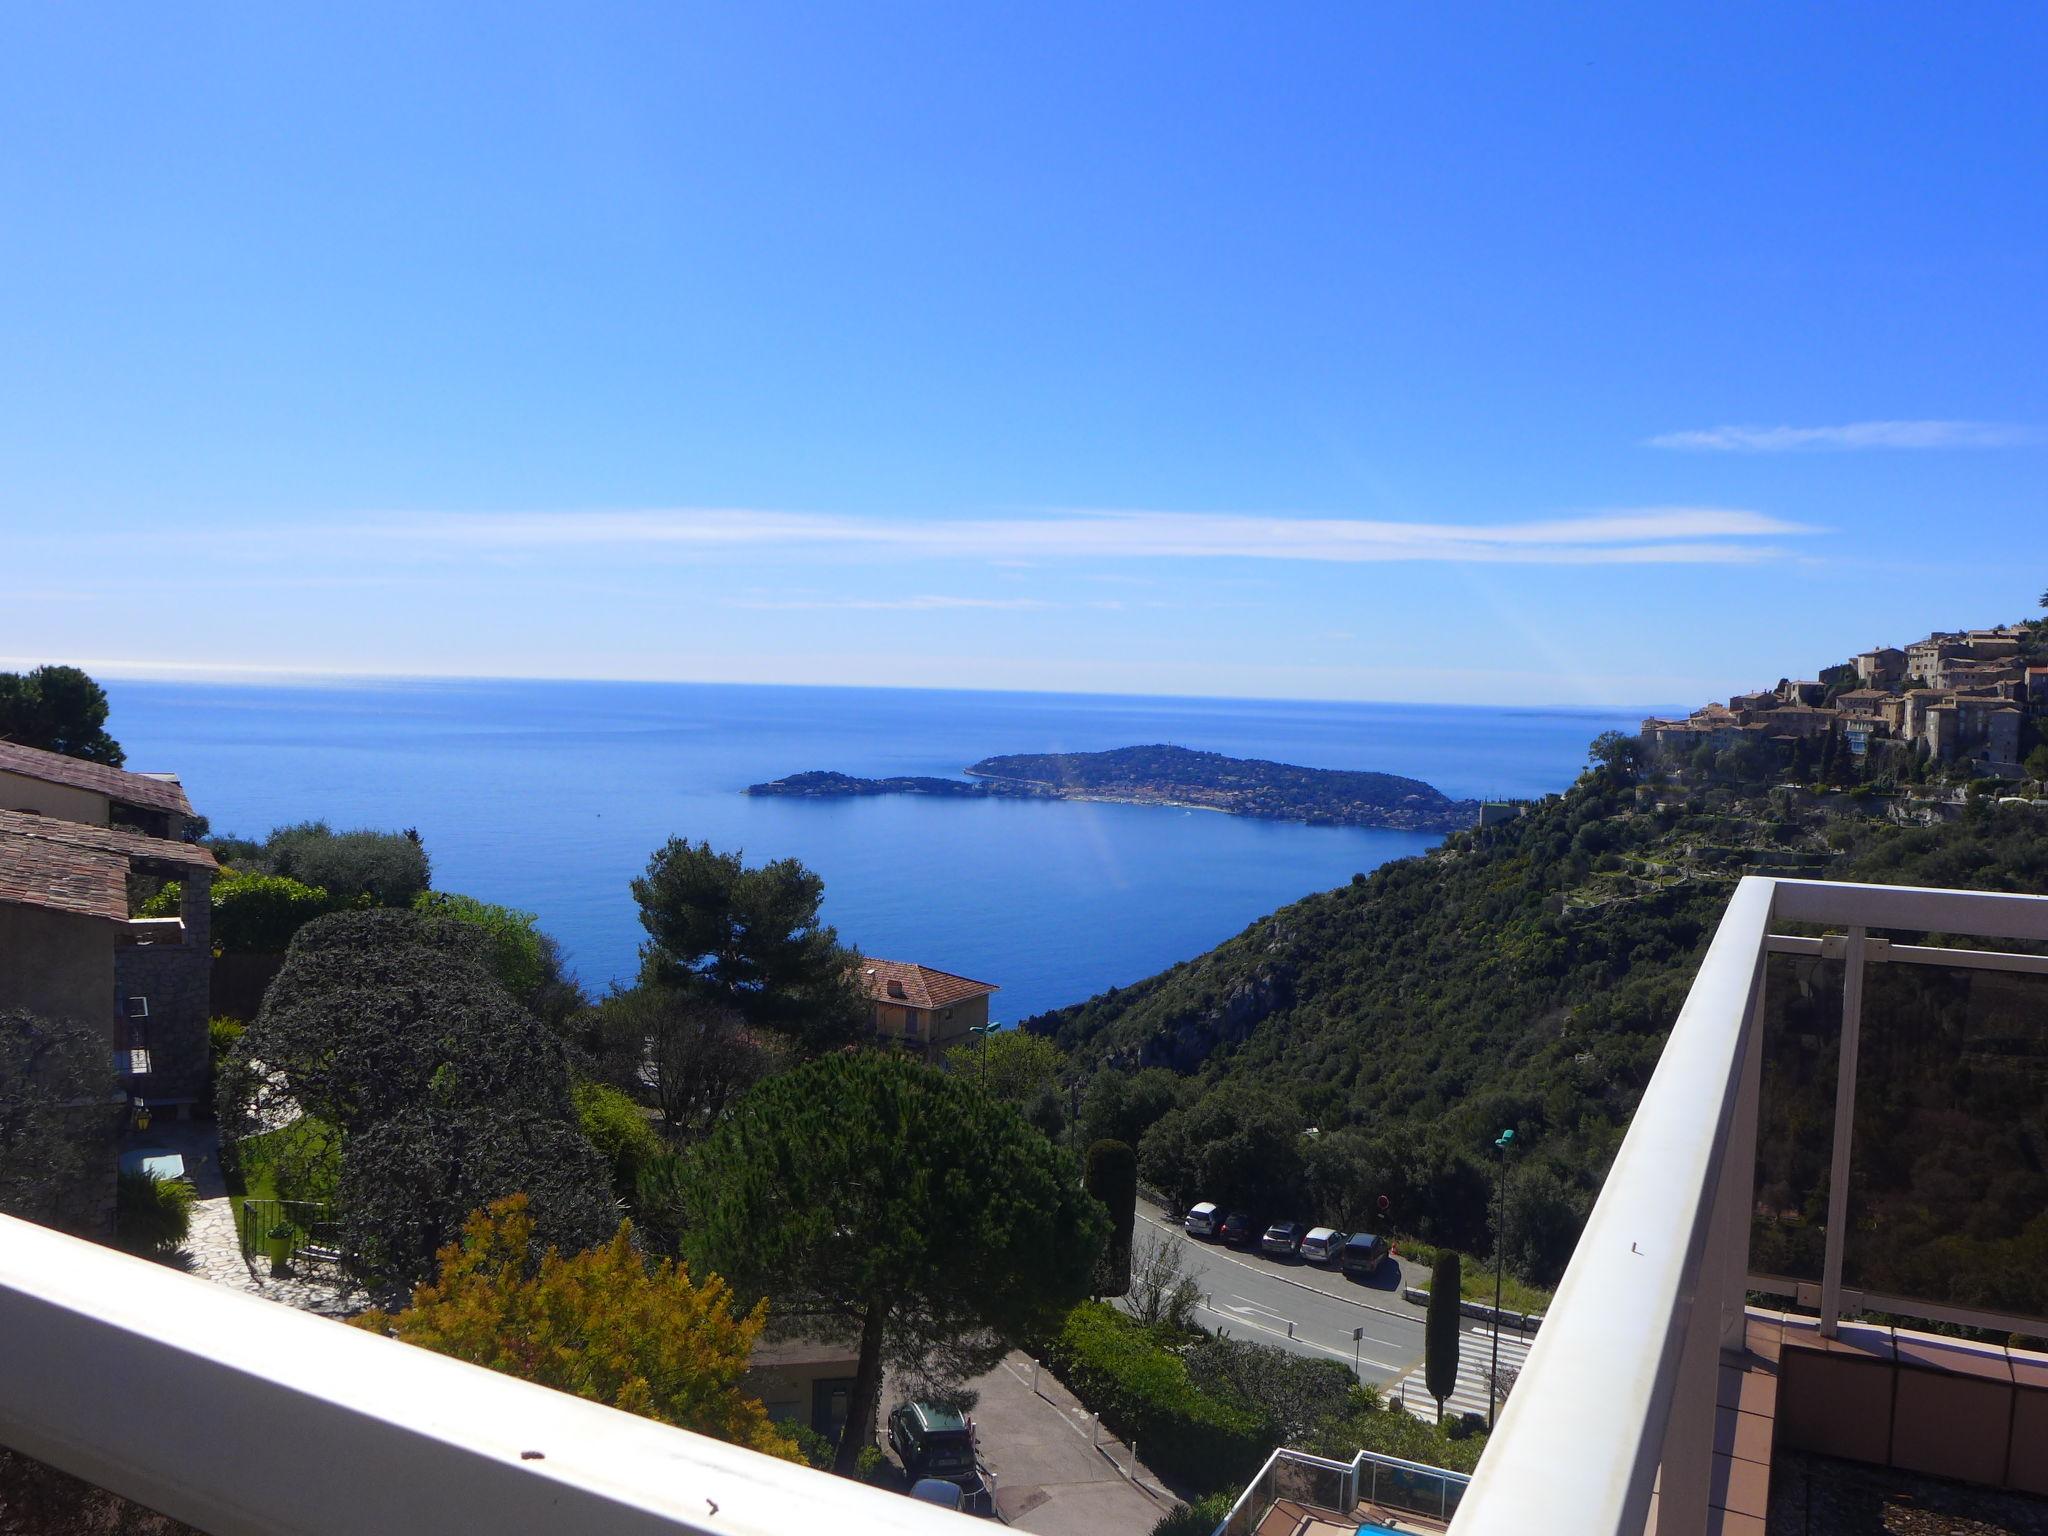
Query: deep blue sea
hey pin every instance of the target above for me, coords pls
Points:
(550, 796)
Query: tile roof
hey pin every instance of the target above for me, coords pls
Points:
(116, 842)
(81, 881)
(921, 986)
(116, 783)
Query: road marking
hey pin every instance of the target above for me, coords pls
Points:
(1343, 1355)
(1412, 1316)
(1475, 1359)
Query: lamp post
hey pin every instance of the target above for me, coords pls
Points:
(1500, 1253)
(984, 1030)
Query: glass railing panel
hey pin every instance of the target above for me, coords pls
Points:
(1802, 1042)
(1948, 1189)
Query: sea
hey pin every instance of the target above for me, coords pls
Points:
(550, 797)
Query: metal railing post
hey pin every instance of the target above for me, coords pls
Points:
(1737, 1192)
(1845, 1132)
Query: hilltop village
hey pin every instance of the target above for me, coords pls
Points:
(1966, 701)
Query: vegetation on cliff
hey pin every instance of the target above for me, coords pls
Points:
(1525, 976)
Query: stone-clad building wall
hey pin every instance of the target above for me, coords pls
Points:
(174, 977)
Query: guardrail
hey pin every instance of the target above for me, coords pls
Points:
(310, 1229)
(1388, 1481)
(245, 1418)
(1620, 1384)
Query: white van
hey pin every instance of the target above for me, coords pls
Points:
(1321, 1244)
(1202, 1219)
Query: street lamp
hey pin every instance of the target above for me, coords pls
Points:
(1500, 1252)
(984, 1030)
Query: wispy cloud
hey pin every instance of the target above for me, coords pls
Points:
(1632, 536)
(1852, 435)
(928, 603)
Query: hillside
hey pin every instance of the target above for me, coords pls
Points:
(1521, 976)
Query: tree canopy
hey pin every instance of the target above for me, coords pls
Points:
(388, 1035)
(1010, 1065)
(58, 709)
(604, 1324)
(907, 1207)
(749, 940)
(54, 1085)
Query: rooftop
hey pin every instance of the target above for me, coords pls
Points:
(153, 791)
(918, 986)
(70, 866)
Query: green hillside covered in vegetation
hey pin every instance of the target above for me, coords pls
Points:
(1372, 1040)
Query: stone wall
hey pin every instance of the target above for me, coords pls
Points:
(175, 978)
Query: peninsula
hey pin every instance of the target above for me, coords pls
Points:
(1175, 776)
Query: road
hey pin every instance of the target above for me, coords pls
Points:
(1301, 1307)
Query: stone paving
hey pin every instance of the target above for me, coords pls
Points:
(213, 1250)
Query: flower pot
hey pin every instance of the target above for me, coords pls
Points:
(278, 1241)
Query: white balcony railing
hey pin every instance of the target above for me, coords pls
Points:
(247, 1418)
(1622, 1381)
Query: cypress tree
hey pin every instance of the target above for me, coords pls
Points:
(1440, 1330)
(1112, 1178)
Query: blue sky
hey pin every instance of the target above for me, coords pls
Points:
(1342, 351)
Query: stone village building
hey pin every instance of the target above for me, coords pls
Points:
(72, 834)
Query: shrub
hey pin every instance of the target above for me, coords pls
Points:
(1199, 1518)
(619, 1131)
(252, 913)
(390, 868)
(152, 1216)
(512, 945)
(1142, 1391)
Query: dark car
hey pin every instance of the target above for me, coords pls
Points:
(1283, 1237)
(1362, 1255)
(1239, 1230)
(932, 1441)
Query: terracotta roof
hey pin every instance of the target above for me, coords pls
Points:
(116, 842)
(115, 783)
(82, 881)
(917, 986)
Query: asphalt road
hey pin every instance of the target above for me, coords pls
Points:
(1302, 1307)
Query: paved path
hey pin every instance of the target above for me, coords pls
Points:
(1300, 1307)
(213, 1248)
(1050, 1477)
(1475, 1359)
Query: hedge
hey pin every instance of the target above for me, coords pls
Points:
(1141, 1389)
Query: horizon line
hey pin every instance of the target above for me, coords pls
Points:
(248, 675)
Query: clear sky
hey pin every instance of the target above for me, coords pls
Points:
(1356, 350)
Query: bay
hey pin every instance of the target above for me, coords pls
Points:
(550, 796)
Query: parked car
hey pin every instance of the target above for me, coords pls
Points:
(1239, 1230)
(1201, 1219)
(932, 1442)
(1283, 1237)
(1322, 1244)
(936, 1490)
(1362, 1255)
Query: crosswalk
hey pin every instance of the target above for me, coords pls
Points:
(1475, 1360)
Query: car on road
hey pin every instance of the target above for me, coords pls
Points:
(932, 1441)
(1322, 1244)
(1362, 1255)
(1201, 1219)
(1239, 1230)
(1283, 1237)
